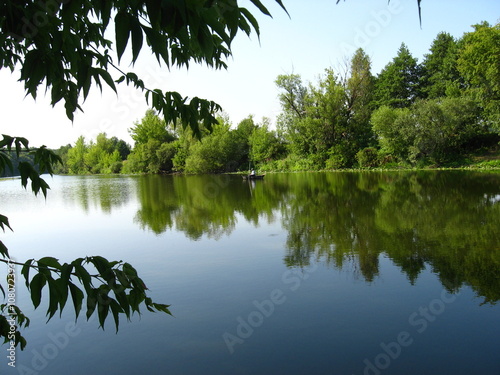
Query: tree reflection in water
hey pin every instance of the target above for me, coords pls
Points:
(444, 220)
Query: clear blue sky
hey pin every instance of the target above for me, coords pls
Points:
(319, 34)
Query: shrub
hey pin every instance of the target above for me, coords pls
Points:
(368, 157)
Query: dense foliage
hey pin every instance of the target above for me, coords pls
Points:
(430, 113)
(105, 155)
(436, 112)
(64, 45)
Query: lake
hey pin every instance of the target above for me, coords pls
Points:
(304, 273)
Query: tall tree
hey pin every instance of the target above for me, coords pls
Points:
(76, 157)
(150, 134)
(151, 126)
(359, 93)
(398, 84)
(440, 74)
(293, 95)
(328, 108)
(479, 64)
(293, 99)
(216, 152)
(264, 145)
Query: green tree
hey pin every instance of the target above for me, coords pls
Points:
(243, 132)
(440, 74)
(293, 95)
(264, 144)
(166, 154)
(359, 92)
(398, 84)
(150, 134)
(214, 153)
(151, 127)
(62, 152)
(68, 53)
(442, 128)
(479, 64)
(76, 157)
(104, 155)
(122, 147)
(330, 114)
(309, 121)
(389, 124)
(435, 131)
(330, 122)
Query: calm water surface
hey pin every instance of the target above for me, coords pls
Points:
(317, 273)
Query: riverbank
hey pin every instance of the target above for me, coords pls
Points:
(488, 160)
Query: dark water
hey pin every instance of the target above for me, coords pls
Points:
(315, 273)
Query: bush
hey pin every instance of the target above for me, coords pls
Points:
(335, 161)
(368, 157)
(116, 167)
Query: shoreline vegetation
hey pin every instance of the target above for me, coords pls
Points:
(441, 113)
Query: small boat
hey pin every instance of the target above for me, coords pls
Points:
(253, 176)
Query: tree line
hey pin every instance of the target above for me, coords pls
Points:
(436, 112)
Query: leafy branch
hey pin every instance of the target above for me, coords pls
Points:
(69, 52)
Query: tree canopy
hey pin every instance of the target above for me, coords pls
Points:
(63, 46)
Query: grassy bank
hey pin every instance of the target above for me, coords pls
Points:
(486, 160)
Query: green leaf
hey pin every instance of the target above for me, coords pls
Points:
(91, 302)
(122, 31)
(115, 310)
(158, 44)
(49, 262)
(62, 289)
(4, 251)
(5, 161)
(261, 7)
(20, 142)
(153, 8)
(77, 297)
(232, 19)
(103, 267)
(103, 310)
(106, 12)
(149, 302)
(121, 297)
(25, 271)
(106, 77)
(137, 38)
(249, 16)
(162, 308)
(20, 340)
(54, 298)
(129, 270)
(83, 276)
(286, 11)
(135, 298)
(4, 222)
(122, 278)
(36, 285)
(6, 141)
